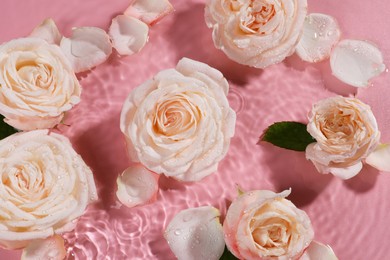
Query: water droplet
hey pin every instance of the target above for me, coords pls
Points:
(330, 33)
(322, 26)
(177, 232)
(315, 35)
(320, 34)
(386, 70)
(355, 49)
(197, 241)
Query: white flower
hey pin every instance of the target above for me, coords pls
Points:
(346, 132)
(45, 186)
(37, 84)
(257, 33)
(179, 123)
(264, 225)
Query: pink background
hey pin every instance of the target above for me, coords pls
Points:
(352, 216)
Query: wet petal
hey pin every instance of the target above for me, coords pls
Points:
(356, 62)
(136, 186)
(380, 158)
(347, 172)
(47, 31)
(129, 35)
(86, 48)
(195, 234)
(320, 33)
(149, 11)
(318, 251)
(51, 248)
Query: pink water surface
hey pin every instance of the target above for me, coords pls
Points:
(352, 216)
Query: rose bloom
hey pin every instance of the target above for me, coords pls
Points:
(179, 123)
(262, 224)
(346, 132)
(257, 33)
(45, 186)
(37, 84)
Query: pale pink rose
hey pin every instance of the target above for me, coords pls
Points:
(346, 132)
(45, 186)
(257, 33)
(179, 123)
(37, 84)
(262, 224)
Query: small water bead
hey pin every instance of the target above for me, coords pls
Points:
(177, 232)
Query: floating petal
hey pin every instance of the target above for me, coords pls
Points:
(356, 62)
(86, 48)
(51, 248)
(320, 33)
(47, 31)
(380, 158)
(129, 35)
(149, 11)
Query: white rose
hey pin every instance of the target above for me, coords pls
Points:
(45, 186)
(37, 84)
(179, 123)
(262, 224)
(346, 132)
(257, 33)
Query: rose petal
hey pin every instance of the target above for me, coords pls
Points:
(380, 158)
(196, 233)
(47, 31)
(318, 251)
(348, 172)
(86, 48)
(136, 186)
(320, 33)
(356, 62)
(129, 35)
(51, 248)
(149, 11)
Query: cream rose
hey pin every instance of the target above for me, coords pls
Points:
(264, 225)
(257, 33)
(179, 123)
(45, 186)
(346, 133)
(37, 84)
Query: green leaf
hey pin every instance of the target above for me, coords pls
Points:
(227, 255)
(289, 135)
(5, 129)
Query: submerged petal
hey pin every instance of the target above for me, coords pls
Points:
(136, 185)
(86, 48)
(149, 11)
(195, 234)
(320, 33)
(129, 35)
(356, 62)
(380, 158)
(51, 248)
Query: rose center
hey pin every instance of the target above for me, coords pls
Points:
(37, 75)
(258, 16)
(175, 116)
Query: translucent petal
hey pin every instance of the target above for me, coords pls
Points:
(47, 31)
(129, 35)
(51, 248)
(318, 251)
(356, 62)
(86, 48)
(320, 33)
(149, 11)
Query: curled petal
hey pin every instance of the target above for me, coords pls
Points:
(195, 234)
(347, 172)
(129, 35)
(318, 251)
(86, 48)
(136, 186)
(47, 31)
(51, 248)
(380, 158)
(320, 33)
(356, 62)
(149, 11)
